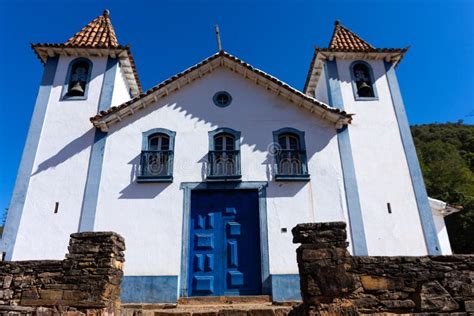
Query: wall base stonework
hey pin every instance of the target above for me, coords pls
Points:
(335, 283)
(87, 282)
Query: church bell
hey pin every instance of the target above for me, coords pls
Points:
(364, 90)
(76, 89)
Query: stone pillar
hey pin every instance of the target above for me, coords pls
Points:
(335, 283)
(94, 264)
(323, 262)
(87, 282)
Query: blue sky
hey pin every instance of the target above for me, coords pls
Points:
(436, 76)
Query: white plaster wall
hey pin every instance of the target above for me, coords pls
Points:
(149, 216)
(59, 170)
(321, 92)
(381, 170)
(442, 234)
(121, 89)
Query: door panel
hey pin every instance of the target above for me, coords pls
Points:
(224, 254)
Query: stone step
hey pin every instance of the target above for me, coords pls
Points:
(217, 307)
(255, 311)
(218, 300)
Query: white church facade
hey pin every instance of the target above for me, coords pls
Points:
(205, 174)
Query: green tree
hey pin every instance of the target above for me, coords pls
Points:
(446, 154)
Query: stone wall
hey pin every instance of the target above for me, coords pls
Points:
(86, 282)
(334, 282)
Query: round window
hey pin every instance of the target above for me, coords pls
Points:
(222, 99)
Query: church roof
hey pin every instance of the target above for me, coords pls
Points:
(221, 59)
(343, 38)
(97, 38)
(98, 33)
(345, 44)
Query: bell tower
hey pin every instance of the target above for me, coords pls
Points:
(387, 204)
(60, 165)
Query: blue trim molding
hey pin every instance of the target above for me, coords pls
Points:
(65, 90)
(91, 192)
(290, 130)
(187, 187)
(224, 130)
(153, 132)
(149, 289)
(28, 158)
(286, 287)
(356, 223)
(371, 78)
(426, 217)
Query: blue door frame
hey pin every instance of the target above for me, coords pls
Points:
(187, 188)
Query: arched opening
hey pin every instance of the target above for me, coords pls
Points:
(363, 80)
(78, 78)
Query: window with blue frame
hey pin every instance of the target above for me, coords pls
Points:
(224, 154)
(363, 83)
(290, 155)
(77, 80)
(156, 158)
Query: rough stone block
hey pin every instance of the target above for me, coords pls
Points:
(398, 304)
(7, 294)
(433, 297)
(311, 255)
(215, 313)
(75, 295)
(261, 312)
(7, 280)
(73, 313)
(311, 233)
(366, 301)
(393, 295)
(233, 312)
(372, 282)
(50, 294)
(382, 284)
(170, 313)
(469, 306)
(30, 294)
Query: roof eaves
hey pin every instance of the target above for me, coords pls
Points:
(310, 72)
(98, 120)
(394, 54)
(373, 50)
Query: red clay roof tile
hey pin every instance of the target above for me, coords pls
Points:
(97, 34)
(343, 38)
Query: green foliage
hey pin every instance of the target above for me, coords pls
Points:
(446, 154)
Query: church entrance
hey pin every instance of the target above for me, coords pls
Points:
(224, 244)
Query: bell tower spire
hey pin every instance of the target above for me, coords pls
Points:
(380, 166)
(96, 39)
(343, 38)
(98, 33)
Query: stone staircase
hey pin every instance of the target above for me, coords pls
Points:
(261, 305)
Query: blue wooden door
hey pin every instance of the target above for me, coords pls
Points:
(224, 256)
